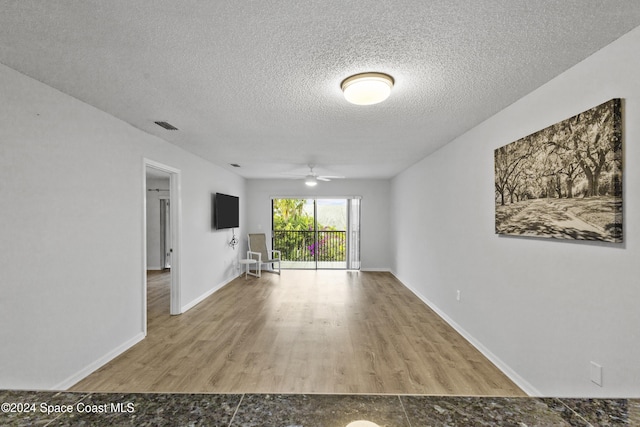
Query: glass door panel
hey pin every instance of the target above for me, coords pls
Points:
(293, 232)
(316, 233)
(353, 234)
(331, 237)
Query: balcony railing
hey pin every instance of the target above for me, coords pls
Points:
(302, 246)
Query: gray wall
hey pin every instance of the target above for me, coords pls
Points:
(542, 309)
(71, 189)
(375, 211)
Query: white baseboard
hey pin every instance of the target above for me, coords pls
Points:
(207, 294)
(385, 270)
(506, 369)
(150, 268)
(73, 379)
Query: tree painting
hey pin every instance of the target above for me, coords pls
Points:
(565, 181)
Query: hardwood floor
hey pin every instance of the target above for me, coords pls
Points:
(301, 332)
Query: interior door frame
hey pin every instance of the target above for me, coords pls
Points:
(175, 209)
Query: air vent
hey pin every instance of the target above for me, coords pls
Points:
(235, 165)
(166, 125)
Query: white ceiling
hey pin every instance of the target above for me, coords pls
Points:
(258, 82)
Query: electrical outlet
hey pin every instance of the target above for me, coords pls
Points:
(596, 373)
(458, 295)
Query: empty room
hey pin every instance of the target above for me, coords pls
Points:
(406, 208)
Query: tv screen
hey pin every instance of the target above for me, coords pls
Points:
(226, 211)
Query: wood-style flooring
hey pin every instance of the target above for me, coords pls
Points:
(301, 332)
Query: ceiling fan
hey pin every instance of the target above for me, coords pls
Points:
(311, 179)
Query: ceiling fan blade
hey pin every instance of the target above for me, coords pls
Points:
(296, 174)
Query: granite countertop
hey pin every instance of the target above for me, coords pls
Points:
(32, 408)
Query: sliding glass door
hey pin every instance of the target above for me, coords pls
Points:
(317, 233)
(353, 234)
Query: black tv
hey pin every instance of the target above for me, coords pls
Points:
(226, 211)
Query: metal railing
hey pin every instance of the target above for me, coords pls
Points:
(303, 246)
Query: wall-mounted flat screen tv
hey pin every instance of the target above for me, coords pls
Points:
(226, 211)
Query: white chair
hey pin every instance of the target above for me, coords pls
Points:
(258, 251)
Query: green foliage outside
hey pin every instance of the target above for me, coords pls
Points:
(294, 234)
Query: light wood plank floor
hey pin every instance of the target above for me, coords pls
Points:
(301, 332)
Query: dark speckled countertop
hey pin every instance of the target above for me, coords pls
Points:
(25, 408)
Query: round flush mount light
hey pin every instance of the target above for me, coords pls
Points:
(362, 423)
(367, 88)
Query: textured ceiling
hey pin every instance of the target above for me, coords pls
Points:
(258, 82)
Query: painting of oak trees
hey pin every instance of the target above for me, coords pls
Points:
(564, 181)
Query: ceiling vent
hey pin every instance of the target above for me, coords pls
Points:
(235, 165)
(166, 125)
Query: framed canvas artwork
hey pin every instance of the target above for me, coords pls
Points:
(565, 181)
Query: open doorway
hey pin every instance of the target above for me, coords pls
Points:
(161, 281)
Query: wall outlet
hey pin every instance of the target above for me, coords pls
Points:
(458, 295)
(596, 373)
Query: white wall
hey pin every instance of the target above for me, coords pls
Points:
(374, 217)
(154, 259)
(543, 309)
(71, 217)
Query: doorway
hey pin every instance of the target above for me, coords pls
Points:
(161, 239)
(319, 233)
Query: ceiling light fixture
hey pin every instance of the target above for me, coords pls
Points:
(367, 88)
(311, 181)
(362, 423)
